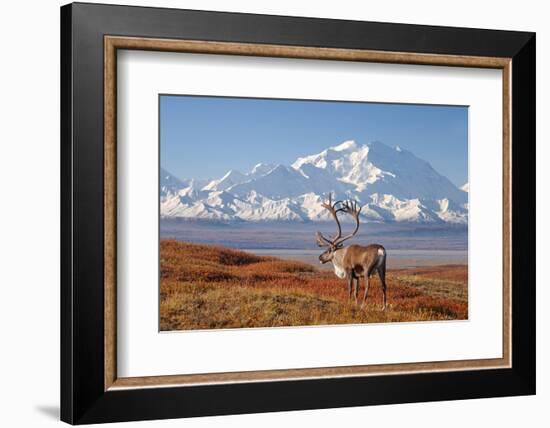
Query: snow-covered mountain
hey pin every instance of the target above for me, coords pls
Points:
(170, 185)
(391, 184)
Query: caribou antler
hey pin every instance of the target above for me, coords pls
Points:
(349, 207)
(331, 208)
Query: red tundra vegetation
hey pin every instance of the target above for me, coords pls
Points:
(209, 287)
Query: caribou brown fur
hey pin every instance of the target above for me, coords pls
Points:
(354, 261)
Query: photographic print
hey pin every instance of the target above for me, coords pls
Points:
(282, 212)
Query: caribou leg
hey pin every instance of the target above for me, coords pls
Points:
(350, 284)
(356, 288)
(382, 274)
(366, 289)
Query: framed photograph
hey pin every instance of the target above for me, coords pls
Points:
(265, 213)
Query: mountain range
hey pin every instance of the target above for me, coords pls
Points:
(390, 184)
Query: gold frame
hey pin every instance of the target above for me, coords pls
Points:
(113, 43)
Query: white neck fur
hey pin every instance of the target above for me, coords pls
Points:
(338, 262)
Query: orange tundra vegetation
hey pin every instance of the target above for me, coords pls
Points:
(209, 287)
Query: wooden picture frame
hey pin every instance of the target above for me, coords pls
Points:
(91, 390)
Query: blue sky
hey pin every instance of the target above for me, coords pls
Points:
(204, 137)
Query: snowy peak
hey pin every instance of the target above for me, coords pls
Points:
(260, 169)
(278, 183)
(346, 145)
(169, 184)
(231, 178)
(170, 181)
(377, 168)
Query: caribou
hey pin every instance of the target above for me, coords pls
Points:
(353, 261)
